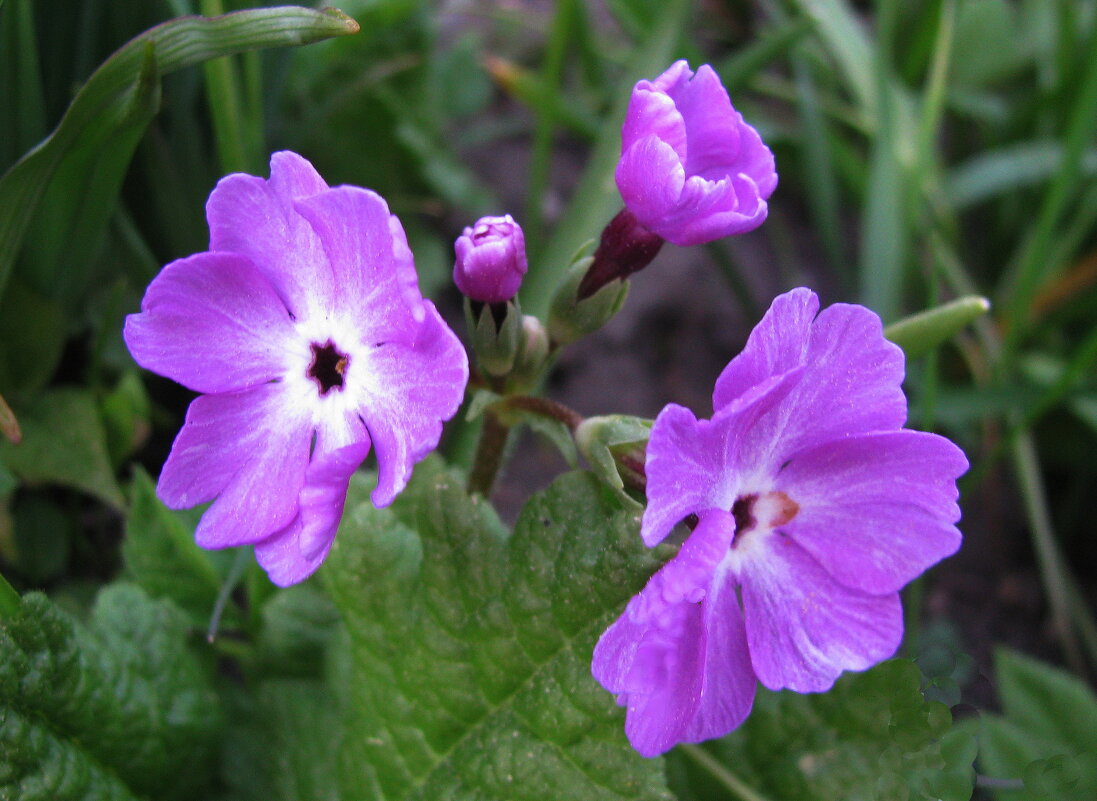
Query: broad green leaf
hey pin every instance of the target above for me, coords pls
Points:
(298, 623)
(873, 736)
(32, 336)
(1048, 735)
(1047, 702)
(118, 89)
(64, 443)
(284, 745)
(980, 22)
(36, 763)
(471, 650)
(122, 693)
(161, 556)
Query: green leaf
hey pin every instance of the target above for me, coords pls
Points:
(118, 93)
(298, 623)
(35, 763)
(64, 443)
(122, 695)
(283, 745)
(162, 558)
(920, 333)
(873, 736)
(1047, 702)
(1048, 735)
(471, 650)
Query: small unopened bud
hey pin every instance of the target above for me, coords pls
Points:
(491, 259)
(533, 356)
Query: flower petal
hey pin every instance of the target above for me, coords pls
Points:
(712, 125)
(652, 112)
(803, 627)
(256, 218)
(852, 379)
(650, 178)
(876, 510)
(294, 553)
(248, 448)
(213, 323)
(709, 210)
(694, 465)
(410, 389)
(728, 686)
(370, 259)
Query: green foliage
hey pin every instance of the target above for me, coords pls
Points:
(116, 104)
(161, 556)
(874, 736)
(64, 443)
(86, 708)
(471, 649)
(1047, 736)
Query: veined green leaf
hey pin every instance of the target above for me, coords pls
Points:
(471, 650)
(121, 696)
(109, 96)
(873, 736)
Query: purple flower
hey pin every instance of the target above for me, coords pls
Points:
(815, 506)
(491, 259)
(691, 169)
(305, 331)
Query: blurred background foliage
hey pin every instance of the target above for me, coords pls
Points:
(926, 148)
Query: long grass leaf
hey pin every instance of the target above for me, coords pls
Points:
(596, 198)
(102, 102)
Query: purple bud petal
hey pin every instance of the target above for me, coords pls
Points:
(491, 259)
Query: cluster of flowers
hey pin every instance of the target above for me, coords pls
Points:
(305, 332)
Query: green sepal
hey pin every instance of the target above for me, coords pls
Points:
(920, 333)
(612, 444)
(571, 319)
(496, 345)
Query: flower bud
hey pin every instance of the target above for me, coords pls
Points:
(533, 356)
(614, 446)
(491, 259)
(691, 169)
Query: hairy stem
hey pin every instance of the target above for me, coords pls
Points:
(489, 455)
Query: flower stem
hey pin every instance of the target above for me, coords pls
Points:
(729, 780)
(239, 565)
(545, 408)
(489, 455)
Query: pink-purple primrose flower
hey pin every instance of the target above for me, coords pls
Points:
(491, 259)
(691, 170)
(304, 329)
(814, 506)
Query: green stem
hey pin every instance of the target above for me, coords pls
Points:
(729, 780)
(545, 408)
(226, 107)
(489, 455)
(243, 556)
(1053, 569)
